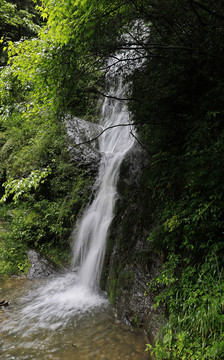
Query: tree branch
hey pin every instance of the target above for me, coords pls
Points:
(96, 137)
(139, 142)
(116, 8)
(113, 97)
(142, 46)
(108, 128)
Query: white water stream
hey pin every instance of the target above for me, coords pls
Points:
(89, 248)
(52, 305)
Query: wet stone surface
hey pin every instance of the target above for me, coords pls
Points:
(131, 262)
(40, 266)
(86, 155)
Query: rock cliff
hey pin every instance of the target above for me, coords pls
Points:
(130, 261)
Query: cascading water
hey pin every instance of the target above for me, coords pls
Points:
(53, 304)
(89, 248)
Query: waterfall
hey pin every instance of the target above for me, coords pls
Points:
(53, 304)
(90, 243)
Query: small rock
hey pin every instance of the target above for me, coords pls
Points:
(4, 302)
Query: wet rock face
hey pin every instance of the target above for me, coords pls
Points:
(40, 266)
(81, 131)
(133, 303)
(130, 261)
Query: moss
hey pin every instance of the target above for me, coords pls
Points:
(144, 258)
(126, 278)
(136, 321)
(113, 289)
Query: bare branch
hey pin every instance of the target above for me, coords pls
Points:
(95, 138)
(147, 46)
(139, 142)
(113, 97)
(108, 128)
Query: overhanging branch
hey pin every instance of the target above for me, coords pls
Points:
(96, 137)
(108, 128)
(113, 97)
(139, 142)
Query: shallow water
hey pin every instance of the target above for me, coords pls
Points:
(90, 335)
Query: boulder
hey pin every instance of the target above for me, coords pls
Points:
(40, 266)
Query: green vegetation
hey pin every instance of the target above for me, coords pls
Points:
(194, 299)
(177, 104)
(40, 208)
(180, 115)
(43, 190)
(17, 19)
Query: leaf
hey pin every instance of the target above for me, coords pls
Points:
(44, 15)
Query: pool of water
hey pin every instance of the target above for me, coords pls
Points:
(92, 334)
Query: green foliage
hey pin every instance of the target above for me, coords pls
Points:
(195, 304)
(179, 116)
(190, 224)
(44, 219)
(17, 19)
(21, 187)
(43, 203)
(13, 258)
